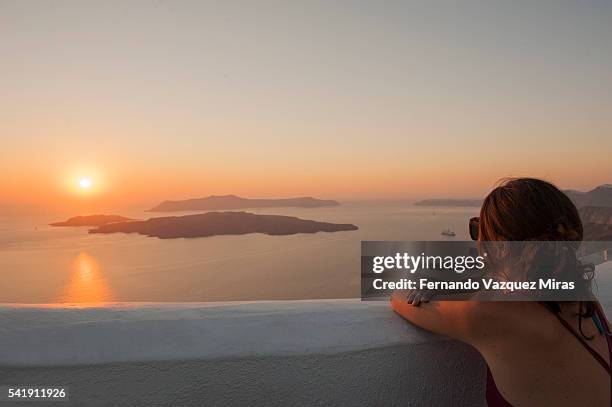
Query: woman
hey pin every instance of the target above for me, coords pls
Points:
(538, 354)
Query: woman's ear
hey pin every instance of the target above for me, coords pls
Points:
(561, 229)
(567, 233)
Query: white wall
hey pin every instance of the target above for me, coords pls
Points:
(339, 352)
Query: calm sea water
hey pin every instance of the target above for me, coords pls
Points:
(43, 264)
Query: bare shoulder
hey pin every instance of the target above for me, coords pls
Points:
(512, 319)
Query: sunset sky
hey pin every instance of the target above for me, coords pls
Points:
(335, 99)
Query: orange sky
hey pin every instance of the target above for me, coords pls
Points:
(157, 101)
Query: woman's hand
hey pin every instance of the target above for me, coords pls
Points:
(416, 297)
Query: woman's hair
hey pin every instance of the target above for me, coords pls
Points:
(522, 209)
(529, 209)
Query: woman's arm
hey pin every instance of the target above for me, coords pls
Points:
(467, 321)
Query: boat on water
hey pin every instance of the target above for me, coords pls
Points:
(448, 233)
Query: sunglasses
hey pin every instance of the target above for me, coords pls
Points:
(474, 227)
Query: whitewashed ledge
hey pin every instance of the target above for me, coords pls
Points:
(278, 353)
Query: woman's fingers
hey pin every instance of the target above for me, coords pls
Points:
(416, 297)
(411, 296)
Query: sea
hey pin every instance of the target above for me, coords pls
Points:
(40, 264)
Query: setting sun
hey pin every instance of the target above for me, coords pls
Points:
(85, 183)
(82, 182)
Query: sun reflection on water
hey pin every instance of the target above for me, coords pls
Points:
(87, 284)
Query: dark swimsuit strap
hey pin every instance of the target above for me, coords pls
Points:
(592, 351)
(601, 316)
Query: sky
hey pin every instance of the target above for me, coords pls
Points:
(155, 100)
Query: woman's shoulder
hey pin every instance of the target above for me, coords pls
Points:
(511, 320)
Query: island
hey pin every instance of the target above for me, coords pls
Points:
(221, 223)
(596, 214)
(600, 196)
(91, 220)
(449, 202)
(233, 202)
(597, 223)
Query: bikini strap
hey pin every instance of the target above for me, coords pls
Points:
(599, 312)
(592, 351)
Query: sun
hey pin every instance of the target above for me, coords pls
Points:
(85, 183)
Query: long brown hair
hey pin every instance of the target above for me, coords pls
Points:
(530, 209)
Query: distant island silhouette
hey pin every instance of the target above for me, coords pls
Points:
(597, 222)
(594, 206)
(91, 220)
(600, 196)
(449, 202)
(232, 202)
(221, 223)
